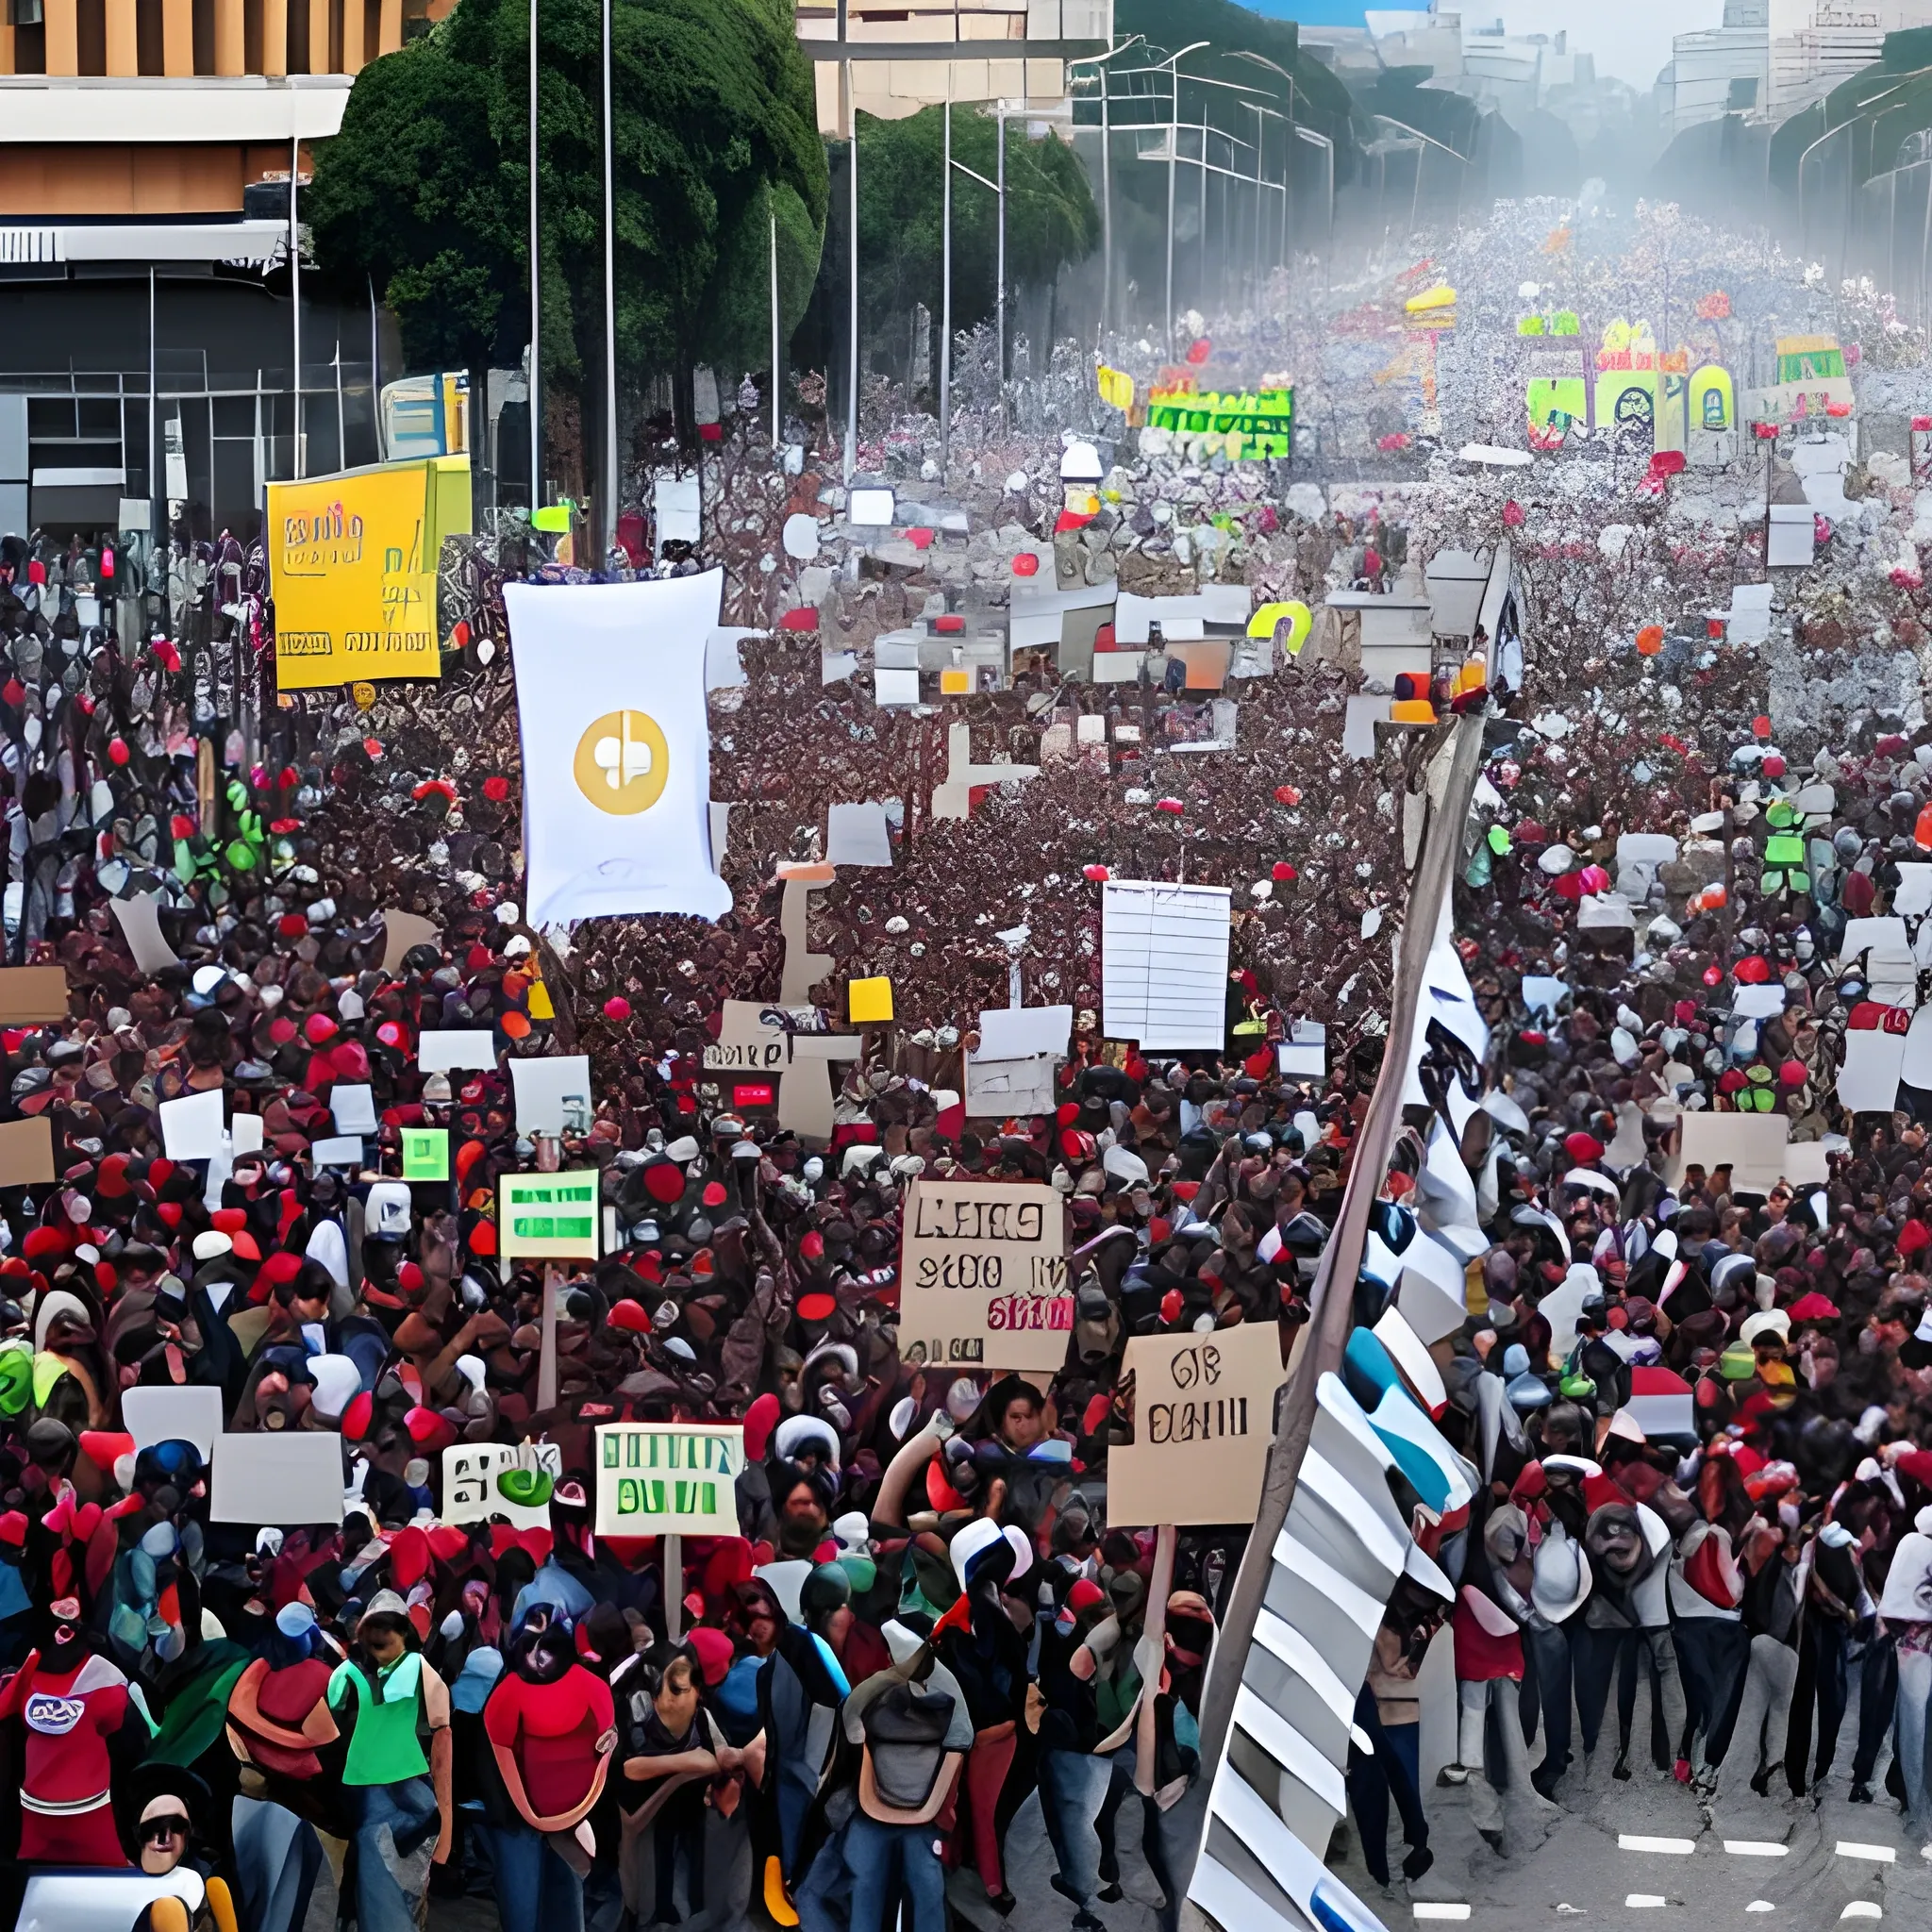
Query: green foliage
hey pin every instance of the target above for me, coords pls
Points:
(1051, 215)
(425, 189)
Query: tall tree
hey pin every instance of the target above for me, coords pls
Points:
(1051, 216)
(426, 188)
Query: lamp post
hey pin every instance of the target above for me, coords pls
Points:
(1099, 64)
(1173, 144)
(536, 297)
(607, 520)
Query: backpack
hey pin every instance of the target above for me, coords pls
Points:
(905, 1734)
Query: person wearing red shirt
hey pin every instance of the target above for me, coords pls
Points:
(552, 1727)
(73, 1703)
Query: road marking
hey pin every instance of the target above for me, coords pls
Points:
(1861, 1908)
(1761, 1905)
(1754, 1848)
(1637, 1841)
(1441, 1911)
(1884, 1854)
(1638, 1901)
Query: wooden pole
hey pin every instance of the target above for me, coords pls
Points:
(546, 1360)
(674, 1585)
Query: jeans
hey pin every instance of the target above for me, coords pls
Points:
(534, 1887)
(1827, 1639)
(1546, 1657)
(1914, 1690)
(1474, 1698)
(1877, 1705)
(1764, 1709)
(1394, 1768)
(395, 1833)
(1073, 1787)
(1711, 1653)
(872, 1854)
(1598, 1652)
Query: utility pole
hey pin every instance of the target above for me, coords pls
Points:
(946, 290)
(295, 287)
(536, 297)
(607, 521)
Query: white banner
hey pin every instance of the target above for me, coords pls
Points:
(617, 750)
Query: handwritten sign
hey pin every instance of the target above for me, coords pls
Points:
(983, 1276)
(756, 1039)
(668, 1478)
(470, 1491)
(1204, 1416)
(548, 1216)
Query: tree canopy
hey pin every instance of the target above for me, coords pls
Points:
(426, 188)
(1051, 216)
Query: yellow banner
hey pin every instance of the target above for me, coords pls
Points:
(352, 567)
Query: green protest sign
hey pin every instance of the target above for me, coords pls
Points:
(425, 1153)
(547, 1216)
(668, 1478)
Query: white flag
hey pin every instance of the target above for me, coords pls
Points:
(617, 748)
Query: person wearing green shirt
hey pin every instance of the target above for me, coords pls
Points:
(387, 1700)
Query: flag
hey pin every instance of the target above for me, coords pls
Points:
(617, 750)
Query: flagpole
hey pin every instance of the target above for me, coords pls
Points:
(774, 323)
(608, 521)
(536, 297)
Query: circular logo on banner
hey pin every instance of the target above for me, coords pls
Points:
(622, 763)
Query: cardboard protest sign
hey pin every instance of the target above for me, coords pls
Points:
(403, 930)
(547, 1216)
(284, 1480)
(983, 1276)
(471, 1491)
(26, 1152)
(669, 1478)
(1203, 1417)
(747, 1042)
(32, 993)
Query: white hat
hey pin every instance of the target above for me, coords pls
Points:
(1560, 1579)
(338, 1382)
(1765, 1322)
(799, 1432)
(211, 1243)
(904, 1644)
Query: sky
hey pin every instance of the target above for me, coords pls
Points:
(1631, 38)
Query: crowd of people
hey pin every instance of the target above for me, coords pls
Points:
(1691, 1408)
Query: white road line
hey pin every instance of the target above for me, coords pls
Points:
(1861, 1908)
(1638, 1901)
(1639, 1841)
(1883, 1855)
(1761, 1905)
(1441, 1911)
(1754, 1848)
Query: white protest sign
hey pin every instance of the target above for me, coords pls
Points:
(448, 1052)
(983, 1276)
(471, 1488)
(1204, 1416)
(284, 1480)
(173, 1415)
(669, 1478)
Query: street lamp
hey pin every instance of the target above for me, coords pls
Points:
(1098, 63)
(1174, 142)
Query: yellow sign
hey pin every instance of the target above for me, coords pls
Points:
(1116, 387)
(353, 568)
(622, 763)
